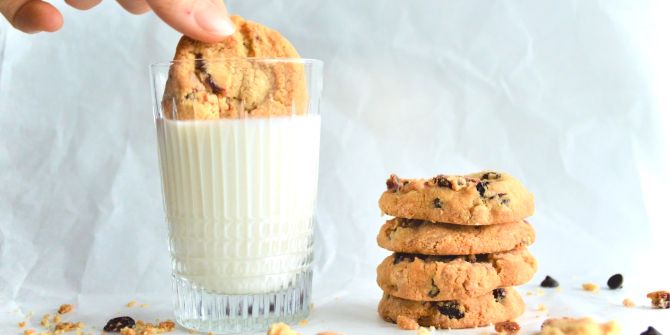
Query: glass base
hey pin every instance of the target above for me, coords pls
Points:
(203, 311)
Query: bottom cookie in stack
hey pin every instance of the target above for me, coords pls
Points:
(501, 304)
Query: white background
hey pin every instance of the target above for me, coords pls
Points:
(569, 96)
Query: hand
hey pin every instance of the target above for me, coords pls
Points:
(204, 20)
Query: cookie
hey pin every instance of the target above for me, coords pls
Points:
(435, 278)
(583, 326)
(502, 304)
(211, 81)
(482, 198)
(428, 238)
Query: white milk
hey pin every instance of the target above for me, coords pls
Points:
(239, 199)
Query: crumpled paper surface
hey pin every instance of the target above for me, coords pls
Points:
(567, 96)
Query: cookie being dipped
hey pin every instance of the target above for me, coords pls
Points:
(236, 78)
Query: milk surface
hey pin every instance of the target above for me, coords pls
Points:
(239, 199)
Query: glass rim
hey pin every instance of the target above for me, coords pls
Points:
(268, 60)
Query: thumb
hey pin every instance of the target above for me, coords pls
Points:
(204, 20)
(31, 16)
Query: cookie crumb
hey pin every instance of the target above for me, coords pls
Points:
(406, 323)
(65, 308)
(63, 327)
(127, 331)
(131, 304)
(45, 321)
(659, 299)
(507, 327)
(281, 329)
(303, 322)
(423, 331)
(56, 319)
(541, 308)
(628, 303)
(144, 305)
(22, 324)
(29, 332)
(591, 287)
(570, 326)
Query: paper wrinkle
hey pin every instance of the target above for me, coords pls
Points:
(565, 96)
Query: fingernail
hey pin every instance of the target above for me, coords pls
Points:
(212, 20)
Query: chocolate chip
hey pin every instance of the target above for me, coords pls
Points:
(650, 331)
(434, 290)
(437, 203)
(549, 282)
(451, 309)
(393, 183)
(441, 181)
(481, 187)
(499, 294)
(615, 282)
(116, 324)
(491, 175)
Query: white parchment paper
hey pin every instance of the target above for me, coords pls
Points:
(571, 97)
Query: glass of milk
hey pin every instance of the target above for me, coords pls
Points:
(239, 196)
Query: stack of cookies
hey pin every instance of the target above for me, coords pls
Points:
(459, 246)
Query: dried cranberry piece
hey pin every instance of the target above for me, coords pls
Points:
(216, 89)
(451, 309)
(393, 183)
(116, 324)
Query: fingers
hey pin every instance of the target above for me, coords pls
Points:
(204, 20)
(31, 16)
(134, 6)
(83, 4)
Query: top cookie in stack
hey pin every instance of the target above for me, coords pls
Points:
(459, 244)
(482, 198)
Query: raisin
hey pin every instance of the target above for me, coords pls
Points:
(615, 282)
(481, 187)
(216, 89)
(549, 282)
(441, 181)
(437, 203)
(393, 183)
(491, 175)
(116, 324)
(434, 290)
(451, 309)
(499, 294)
(199, 63)
(650, 331)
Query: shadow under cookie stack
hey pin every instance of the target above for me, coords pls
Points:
(459, 246)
